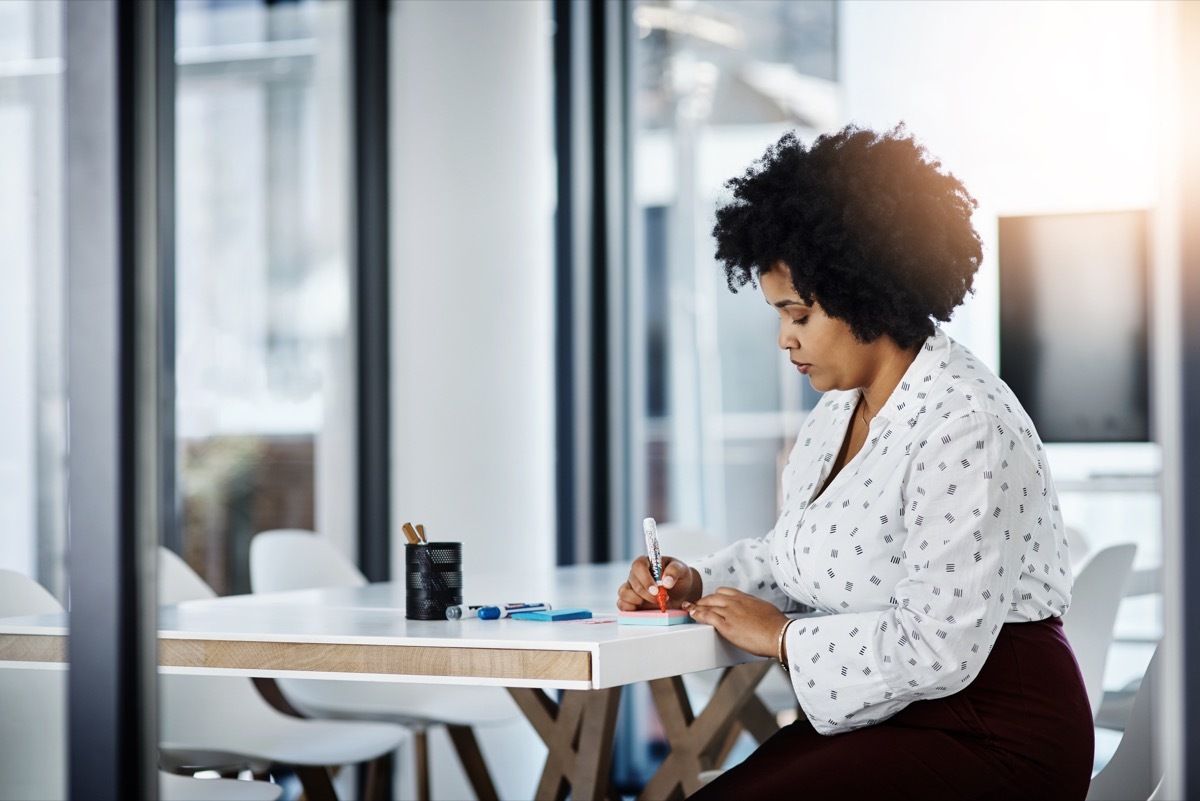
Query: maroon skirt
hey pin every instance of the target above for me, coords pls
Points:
(1022, 729)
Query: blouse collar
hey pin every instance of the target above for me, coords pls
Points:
(910, 394)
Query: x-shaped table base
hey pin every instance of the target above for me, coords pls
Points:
(702, 742)
(578, 732)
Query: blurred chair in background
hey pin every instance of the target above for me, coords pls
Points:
(1096, 597)
(1132, 772)
(686, 542)
(1078, 546)
(222, 723)
(295, 559)
(33, 726)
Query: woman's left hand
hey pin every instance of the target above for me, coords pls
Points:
(750, 623)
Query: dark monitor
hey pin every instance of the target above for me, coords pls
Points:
(1074, 323)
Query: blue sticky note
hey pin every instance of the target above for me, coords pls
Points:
(553, 614)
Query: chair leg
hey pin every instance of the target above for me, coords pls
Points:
(378, 783)
(269, 690)
(471, 757)
(318, 786)
(421, 763)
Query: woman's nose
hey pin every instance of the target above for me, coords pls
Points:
(786, 337)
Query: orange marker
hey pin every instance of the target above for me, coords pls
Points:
(651, 531)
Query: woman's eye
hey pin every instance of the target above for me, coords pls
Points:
(800, 320)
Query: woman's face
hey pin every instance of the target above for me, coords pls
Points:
(822, 347)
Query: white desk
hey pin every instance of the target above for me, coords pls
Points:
(362, 634)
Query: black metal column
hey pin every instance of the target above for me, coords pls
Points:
(369, 118)
(1188, 48)
(113, 328)
(370, 37)
(170, 499)
(567, 446)
(590, 142)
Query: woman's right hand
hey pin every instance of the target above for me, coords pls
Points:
(681, 582)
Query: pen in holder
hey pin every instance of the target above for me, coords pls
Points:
(433, 576)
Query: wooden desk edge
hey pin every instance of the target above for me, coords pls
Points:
(339, 658)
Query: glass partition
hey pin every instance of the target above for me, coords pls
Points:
(32, 299)
(264, 357)
(715, 404)
(715, 83)
(33, 358)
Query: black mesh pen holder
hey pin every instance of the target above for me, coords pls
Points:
(433, 579)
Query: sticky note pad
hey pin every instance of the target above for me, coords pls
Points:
(553, 614)
(652, 617)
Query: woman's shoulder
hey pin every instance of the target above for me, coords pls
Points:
(970, 388)
(975, 383)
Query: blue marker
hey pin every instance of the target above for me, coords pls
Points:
(462, 612)
(504, 610)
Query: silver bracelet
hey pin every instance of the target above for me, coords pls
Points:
(779, 645)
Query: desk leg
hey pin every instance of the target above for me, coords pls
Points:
(701, 743)
(579, 735)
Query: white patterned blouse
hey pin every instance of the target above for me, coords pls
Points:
(941, 529)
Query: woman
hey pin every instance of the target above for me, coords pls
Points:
(919, 514)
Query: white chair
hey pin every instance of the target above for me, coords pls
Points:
(293, 559)
(1078, 546)
(1088, 623)
(686, 542)
(1131, 773)
(21, 595)
(187, 788)
(33, 726)
(223, 723)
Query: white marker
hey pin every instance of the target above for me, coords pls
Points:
(652, 552)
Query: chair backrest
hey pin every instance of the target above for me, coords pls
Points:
(33, 721)
(686, 542)
(1131, 773)
(21, 595)
(294, 559)
(1088, 623)
(1078, 546)
(200, 708)
(177, 582)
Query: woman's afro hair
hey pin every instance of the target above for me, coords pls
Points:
(868, 224)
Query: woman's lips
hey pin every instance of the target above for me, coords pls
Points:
(802, 367)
